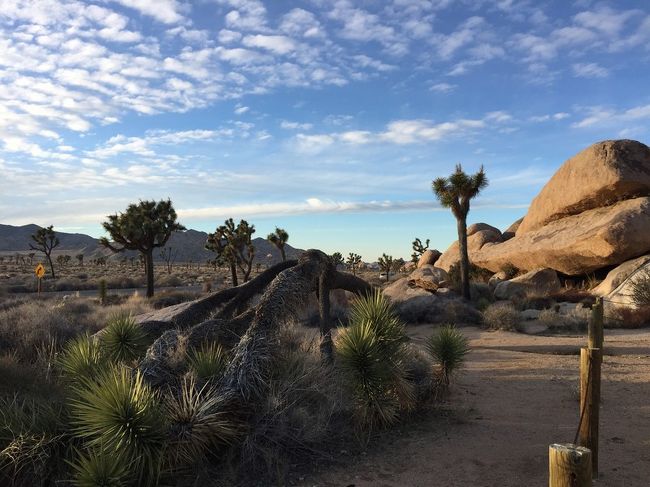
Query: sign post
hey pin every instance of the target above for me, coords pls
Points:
(40, 272)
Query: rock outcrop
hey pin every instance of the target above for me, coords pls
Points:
(539, 282)
(478, 235)
(576, 244)
(618, 275)
(599, 176)
(417, 305)
(429, 257)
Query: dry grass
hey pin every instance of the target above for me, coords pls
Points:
(501, 316)
(624, 317)
(29, 325)
(562, 322)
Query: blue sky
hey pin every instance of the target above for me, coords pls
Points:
(329, 118)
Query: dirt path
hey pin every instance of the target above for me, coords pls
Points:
(517, 394)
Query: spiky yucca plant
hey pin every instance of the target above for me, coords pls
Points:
(448, 348)
(100, 468)
(120, 413)
(195, 422)
(123, 340)
(372, 353)
(82, 358)
(208, 362)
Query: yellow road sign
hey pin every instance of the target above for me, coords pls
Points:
(39, 271)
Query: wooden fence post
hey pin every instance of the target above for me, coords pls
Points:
(569, 466)
(590, 360)
(595, 337)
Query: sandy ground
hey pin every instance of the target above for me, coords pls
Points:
(517, 394)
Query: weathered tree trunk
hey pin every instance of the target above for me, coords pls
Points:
(49, 259)
(284, 256)
(464, 257)
(233, 273)
(148, 264)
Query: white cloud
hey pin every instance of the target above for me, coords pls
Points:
(240, 109)
(600, 116)
(589, 70)
(443, 87)
(295, 125)
(166, 11)
(276, 44)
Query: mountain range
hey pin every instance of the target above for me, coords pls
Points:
(187, 246)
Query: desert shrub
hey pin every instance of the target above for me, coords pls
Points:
(482, 304)
(32, 440)
(562, 322)
(82, 358)
(195, 422)
(641, 288)
(625, 317)
(510, 270)
(28, 325)
(448, 347)
(208, 362)
(169, 281)
(98, 468)
(501, 316)
(123, 340)
(573, 295)
(118, 413)
(371, 355)
(532, 301)
(304, 412)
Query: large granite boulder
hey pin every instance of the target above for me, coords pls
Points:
(511, 230)
(576, 244)
(416, 305)
(478, 235)
(429, 257)
(599, 176)
(618, 275)
(540, 282)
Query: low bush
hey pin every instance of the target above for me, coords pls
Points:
(501, 316)
(562, 322)
(371, 354)
(641, 288)
(625, 317)
(208, 362)
(448, 347)
(123, 340)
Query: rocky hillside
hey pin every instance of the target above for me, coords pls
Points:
(189, 245)
(593, 214)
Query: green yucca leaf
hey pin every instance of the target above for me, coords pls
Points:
(100, 468)
(196, 423)
(448, 348)
(371, 353)
(208, 362)
(123, 340)
(120, 413)
(82, 358)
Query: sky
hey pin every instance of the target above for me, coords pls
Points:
(329, 118)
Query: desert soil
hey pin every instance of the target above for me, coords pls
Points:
(516, 395)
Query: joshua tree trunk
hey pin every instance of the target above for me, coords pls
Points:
(464, 258)
(233, 273)
(284, 256)
(49, 259)
(148, 264)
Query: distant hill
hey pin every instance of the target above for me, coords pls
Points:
(188, 244)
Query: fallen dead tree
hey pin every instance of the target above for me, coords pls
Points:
(251, 332)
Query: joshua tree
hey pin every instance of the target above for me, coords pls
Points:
(279, 238)
(353, 262)
(455, 192)
(398, 265)
(46, 240)
(168, 254)
(418, 249)
(80, 258)
(337, 259)
(142, 227)
(386, 264)
(234, 245)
